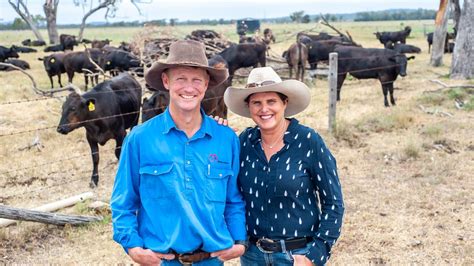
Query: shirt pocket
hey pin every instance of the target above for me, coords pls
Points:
(218, 175)
(157, 181)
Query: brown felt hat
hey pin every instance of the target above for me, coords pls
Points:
(185, 53)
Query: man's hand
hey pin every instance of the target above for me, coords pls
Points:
(147, 257)
(301, 260)
(220, 120)
(235, 251)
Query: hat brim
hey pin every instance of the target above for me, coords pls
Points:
(297, 92)
(153, 76)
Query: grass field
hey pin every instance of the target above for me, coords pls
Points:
(406, 171)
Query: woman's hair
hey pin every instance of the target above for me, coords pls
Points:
(282, 96)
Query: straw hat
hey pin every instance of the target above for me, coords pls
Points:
(265, 79)
(185, 53)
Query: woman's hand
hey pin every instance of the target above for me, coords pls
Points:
(235, 251)
(220, 120)
(301, 260)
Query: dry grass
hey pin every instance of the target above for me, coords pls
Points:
(406, 174)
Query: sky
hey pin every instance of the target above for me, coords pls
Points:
(183, 10)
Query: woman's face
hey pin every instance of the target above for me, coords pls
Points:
(267, 110)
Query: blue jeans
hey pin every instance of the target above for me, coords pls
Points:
(208, 262)
(254, 257)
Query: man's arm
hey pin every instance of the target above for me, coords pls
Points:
(125, 201)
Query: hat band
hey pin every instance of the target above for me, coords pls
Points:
(259, 84)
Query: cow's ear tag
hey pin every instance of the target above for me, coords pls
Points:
(52, 60)
(91, 106)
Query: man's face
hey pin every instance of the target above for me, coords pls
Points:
(187, 86)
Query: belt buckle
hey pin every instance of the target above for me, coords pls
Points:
(185, 263)
(260, 247)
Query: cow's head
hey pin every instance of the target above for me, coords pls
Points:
(12, 53)
(75, 111)
(401, 61)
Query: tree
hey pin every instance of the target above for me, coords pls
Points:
(306, 19)
(462, 65)
(21, 9)
(439, 35)
(50, 8)
(19, 24)
(296, 16)
(111, 6)
(173, 21)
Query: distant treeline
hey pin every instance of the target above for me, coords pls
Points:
(396, 15)
(392, 14)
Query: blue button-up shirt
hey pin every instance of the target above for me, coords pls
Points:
(282, 195)
(177, 193)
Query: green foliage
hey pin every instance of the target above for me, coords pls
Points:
(432, 99)
(19, 24)
(297, 16)
(396, 15)
(432, 131)
(305, 19)
(411, 150)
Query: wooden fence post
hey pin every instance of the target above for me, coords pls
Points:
(332, 78)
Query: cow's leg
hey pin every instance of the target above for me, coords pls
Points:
(290, 68)
(51, 80)
(390, 90)
(385, 92)
(70, 76)
(95, 162)
(59, 81)
(118, 142)
(86, 80)
(340, 81)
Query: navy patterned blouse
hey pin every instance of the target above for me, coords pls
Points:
(296, 194)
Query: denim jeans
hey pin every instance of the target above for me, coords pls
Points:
(208, 262)
(254, 257)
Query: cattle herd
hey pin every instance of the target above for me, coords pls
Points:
(119, 99)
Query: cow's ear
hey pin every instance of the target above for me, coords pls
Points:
(411, 57)
(90, 103)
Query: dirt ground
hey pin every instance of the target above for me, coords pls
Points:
(406, 171)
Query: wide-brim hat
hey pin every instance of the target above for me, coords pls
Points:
(265, 79)
(185, 53)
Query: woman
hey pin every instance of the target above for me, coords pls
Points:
(288, 177)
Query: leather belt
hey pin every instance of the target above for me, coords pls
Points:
(190, 258)
(267, 245)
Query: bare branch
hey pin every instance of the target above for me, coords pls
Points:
(69, 87)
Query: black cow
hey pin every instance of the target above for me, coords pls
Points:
(118, 60)
(21, 49)
(7, 53)
(28, 42)
(244, 55)
(155, 105)
(370, 63)
(16, 62)
(319, 51)
(54, 66)
(100, 43)
(449, 36)
(67, 41)
(403, 48)
(208, 34)
(393, 36)
(116, 101)
(78, 61)
(54, 48)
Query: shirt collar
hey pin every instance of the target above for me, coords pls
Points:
(168, 124)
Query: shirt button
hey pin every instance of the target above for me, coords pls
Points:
(220, 174)
(188, 179)
(155, 172)
(188, 162)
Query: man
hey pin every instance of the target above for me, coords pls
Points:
(175, 199)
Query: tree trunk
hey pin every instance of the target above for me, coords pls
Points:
(25, 15)
(50, 8)
(104, 4)
(456, 15)
(462, 65)
(439, 36)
